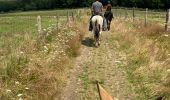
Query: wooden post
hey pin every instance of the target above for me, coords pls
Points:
(133, 14)
(68, 19)
(167, 19)
(146, 16)
(39, 25)
(120, 13)
(57, 23)
(126, 13)
(67, 16)
(72, 14)
(80, 14)
(116, 12)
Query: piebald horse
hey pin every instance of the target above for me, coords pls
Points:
(97, 23)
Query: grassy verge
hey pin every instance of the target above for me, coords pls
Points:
(144, 51)
(34, 67)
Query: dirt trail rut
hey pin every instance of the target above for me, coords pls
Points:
(97, 64)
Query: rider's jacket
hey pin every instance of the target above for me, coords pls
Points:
(97, 8)
(109, 7)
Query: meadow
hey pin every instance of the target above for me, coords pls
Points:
(32, 63)
(34, 66)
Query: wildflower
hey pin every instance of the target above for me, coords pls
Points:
(16, 82)
(20, 99)
(117, 61)
(44, 29)
(8, 91)
(21, 52)
(168, 70)
(166, 35)
(19, 95)
(46, 47)
(26, 88)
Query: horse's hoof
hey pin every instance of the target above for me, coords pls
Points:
(99, 44)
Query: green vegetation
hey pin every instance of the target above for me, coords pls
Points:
(33, 66)
(25, 5)
(144, 54)
(27, 21)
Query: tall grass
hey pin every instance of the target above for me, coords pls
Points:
(146, 58)
(35, 67)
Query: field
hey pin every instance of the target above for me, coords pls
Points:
(62, 62)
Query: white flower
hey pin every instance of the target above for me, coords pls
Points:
(117, 61)
(20, 99)
(17, 82)
(21, 52)
(45, 47)
(27, 88)
(8, 91)
(44, 29)
(166, 35)
(19, 95)
(168, 70)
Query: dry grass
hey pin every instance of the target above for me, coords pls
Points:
(152, 28)
(147, 60)
(37, 67)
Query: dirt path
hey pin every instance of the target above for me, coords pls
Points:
(97, 64)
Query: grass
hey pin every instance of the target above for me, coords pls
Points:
(146, 59)
(62, 12)
(32, 66)
(24, 24)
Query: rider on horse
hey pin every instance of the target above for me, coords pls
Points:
(96, 10)
(109, 7)
(108, 14)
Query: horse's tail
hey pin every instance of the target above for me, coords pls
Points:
(98, 28)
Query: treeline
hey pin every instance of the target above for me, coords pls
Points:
(24, 5)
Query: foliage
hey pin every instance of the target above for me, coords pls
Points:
(52, 4)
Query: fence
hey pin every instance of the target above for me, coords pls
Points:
(37, 24)
(34, 24)
(146, 15)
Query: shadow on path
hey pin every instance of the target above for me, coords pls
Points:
(89, 42)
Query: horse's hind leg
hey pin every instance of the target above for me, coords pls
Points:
(108, 25)
(98, 41)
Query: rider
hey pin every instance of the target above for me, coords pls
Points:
(96, 10)
(108, 14)
(109, 6)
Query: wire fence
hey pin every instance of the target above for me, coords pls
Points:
(29, 24)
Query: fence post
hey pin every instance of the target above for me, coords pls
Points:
(167, 19)
(146, 16)
(67, 16)
(126, 13)
(57, 23)
(80, 14)
(115, 12)
(133, 14)
(72, 14)
(39, 25)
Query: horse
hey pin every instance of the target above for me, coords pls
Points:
(108, 16)
(97, 23)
